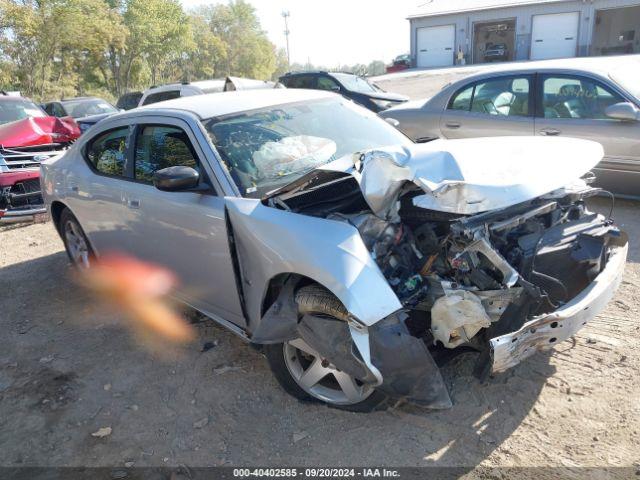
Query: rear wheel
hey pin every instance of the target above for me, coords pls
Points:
(307, 375)
(75, 241)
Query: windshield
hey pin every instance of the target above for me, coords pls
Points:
(85, 107)
(354, 83)
(269, 148)
(12, 110)
(627, 77)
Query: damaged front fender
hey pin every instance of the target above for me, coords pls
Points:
(270, 242)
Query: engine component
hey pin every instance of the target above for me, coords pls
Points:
(457, 317)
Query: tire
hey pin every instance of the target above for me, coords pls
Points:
(75, 241)
(290, 361)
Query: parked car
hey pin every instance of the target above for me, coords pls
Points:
(496, 52)
(27, 137)
(79, 107)
(176, 90)
(401, 62)
(594, 99)
(353, 87)
(356, 259)
(129, 100)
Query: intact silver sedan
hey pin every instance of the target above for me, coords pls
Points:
(593, 99)
(359, 261)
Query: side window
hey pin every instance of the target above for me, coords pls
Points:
(462, 100)
(301, 81)
(325, 83)
(161, 96)
(48, 108)
(108, 152)
(58, 111)
(576, 97)
(504, 96)
(160, 146)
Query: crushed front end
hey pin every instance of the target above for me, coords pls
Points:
(503, 269)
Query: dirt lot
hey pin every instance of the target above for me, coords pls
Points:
(68, 367)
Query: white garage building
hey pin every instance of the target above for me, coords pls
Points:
(507, 30)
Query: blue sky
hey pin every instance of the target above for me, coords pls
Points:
(336, 32)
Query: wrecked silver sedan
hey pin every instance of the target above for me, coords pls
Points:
(359, 261)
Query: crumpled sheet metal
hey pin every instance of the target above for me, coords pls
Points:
(272, 241)
(474, 175)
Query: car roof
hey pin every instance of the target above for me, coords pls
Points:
(225, 103)
(597, 65)
(75, 99)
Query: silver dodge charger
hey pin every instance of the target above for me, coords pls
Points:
(359, 261)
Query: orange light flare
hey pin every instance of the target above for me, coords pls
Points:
(139, 289)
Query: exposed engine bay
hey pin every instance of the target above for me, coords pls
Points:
(433, 250)
(465, 278)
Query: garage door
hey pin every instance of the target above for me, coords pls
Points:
(554, 36)
(436, 46)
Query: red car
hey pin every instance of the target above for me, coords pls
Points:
(28, 136)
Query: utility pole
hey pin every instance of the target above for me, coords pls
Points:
(285, 15)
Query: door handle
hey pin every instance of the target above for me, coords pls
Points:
(452, 125)
(550, 132)
(133, 203)
(75, 188)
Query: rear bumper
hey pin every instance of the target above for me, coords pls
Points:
(544, 332)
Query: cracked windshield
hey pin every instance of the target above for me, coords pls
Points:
(269, 148)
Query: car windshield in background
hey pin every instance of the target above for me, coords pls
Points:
(269, 148)
(13, 110)
(83, 108)
(354, 83)
(628, 77)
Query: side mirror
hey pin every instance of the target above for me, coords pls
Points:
(625, 111)
(175, 179)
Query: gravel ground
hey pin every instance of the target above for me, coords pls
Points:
(68, 367)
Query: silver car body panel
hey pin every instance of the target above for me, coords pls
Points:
(272, 242)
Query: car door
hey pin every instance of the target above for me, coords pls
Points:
(183, 231)
(498, 106)
(93, 188)
(574, 106)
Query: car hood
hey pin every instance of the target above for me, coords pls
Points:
(463, 177)
(38, 131)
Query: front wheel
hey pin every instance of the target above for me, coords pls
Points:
(307, 375)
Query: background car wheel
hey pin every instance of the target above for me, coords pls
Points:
(75, 241)
(306, 375)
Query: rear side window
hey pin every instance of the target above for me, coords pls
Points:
(503, 96)
(161, 96)
(161, 146)
(108, 152)
(462, 100)
(300, 81)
